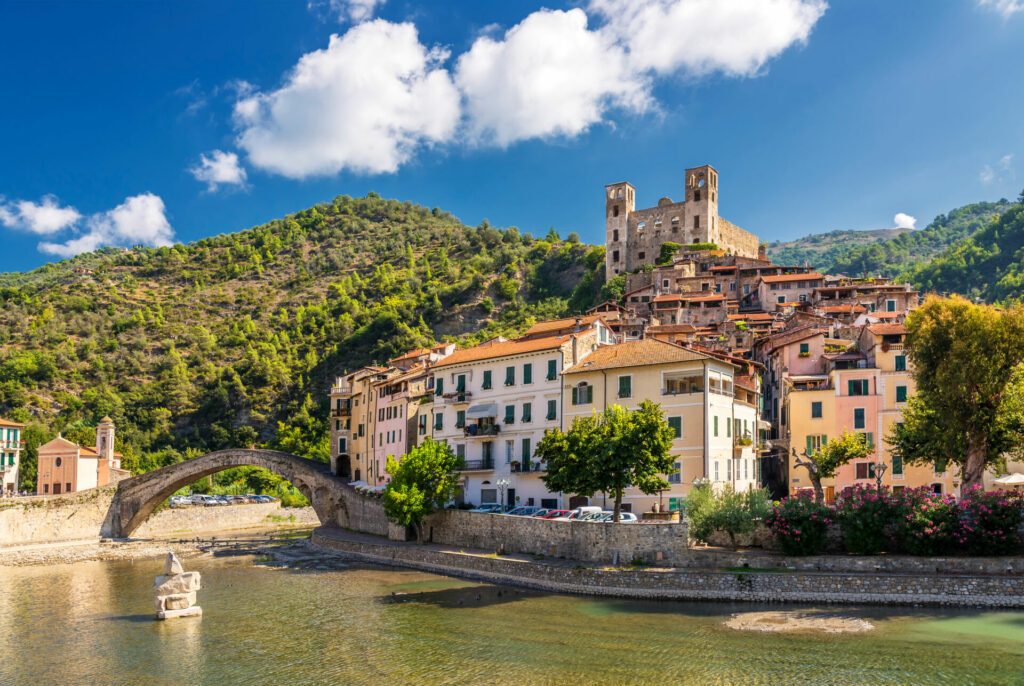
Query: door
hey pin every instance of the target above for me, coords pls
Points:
(56, 489)
(344, 466)
(511, 498)
(578, 501)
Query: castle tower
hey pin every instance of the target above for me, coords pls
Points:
(702, 204)
(105, 439)
(619, 201)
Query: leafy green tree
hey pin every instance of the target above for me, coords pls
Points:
(823, 462)
(968, 362)
(609, 453)
(421, 482)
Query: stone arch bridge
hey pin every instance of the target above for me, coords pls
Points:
(335, 502)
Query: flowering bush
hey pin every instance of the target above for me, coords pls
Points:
(800, 524)
(930, 522)
(868, 518)
(989, 522)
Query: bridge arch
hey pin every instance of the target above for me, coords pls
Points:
(330, 496)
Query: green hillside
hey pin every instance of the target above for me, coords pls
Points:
(887, 252)
(233, 340)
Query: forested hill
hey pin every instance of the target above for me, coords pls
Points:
(233, 340)
(887, 252)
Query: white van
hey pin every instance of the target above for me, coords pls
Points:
(579, 512)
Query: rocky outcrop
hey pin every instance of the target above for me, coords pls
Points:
(175, 591)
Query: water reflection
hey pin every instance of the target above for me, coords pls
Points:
(90, 623)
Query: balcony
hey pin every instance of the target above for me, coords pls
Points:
(477, 465)
(457, 398)
(521, 468)
(341, 411)
(477, 431)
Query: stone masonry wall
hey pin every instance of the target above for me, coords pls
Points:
(42, 519)
(198, 520)
(736, 240)
(583, 541)
(754, 586)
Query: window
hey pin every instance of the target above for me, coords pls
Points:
(549, 503)
(716, 470)
(696, 222)
(488, 496)
(625, 386)
(527, 412)
(552, 410)
(728, 470)
(781, 299)
(897, 465)
(423, 424)
(460, 451)
(528, 372)
(890, 305)
(814, 443)
(527, 450)
(865, 470)
(583, 394)
(676, 424)
(510, 376)
(901, 394)
(728, 428)
(615, 255)
(858, 418)
(615, 235)
(460, 384)
(696, 195)
(857, 387)
(438, 421)
(342, 446)
(510, 451)
(510, 414)
(803, 297)
(362, 430)
(816, 410)
(869, 439)
(901, 363)
(716, 429)
(641, 226)
(552, 370)
(676, 476)
(486, 384)
(641, 255)
(439, 387)
(460, 419)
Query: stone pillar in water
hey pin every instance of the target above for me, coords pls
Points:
(175, 591)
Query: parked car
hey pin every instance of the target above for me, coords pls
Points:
(608, 516)
(198, 499)
(522, 511)
(580, 511)
(541, 513)
(556, 514)
(180, 501)
(489, 509)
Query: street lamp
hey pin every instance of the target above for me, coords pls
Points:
(502, 485)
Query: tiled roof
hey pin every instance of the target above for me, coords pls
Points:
(782, 278)
(705, 298)
(553, 326)
(840, 309)
(671, 328)
(887, 315)
(8, 422)
(887, 329)
(502, 349)
(667, 297)
(752, 316)
(635, 354)
(411, 354)
(724, 268)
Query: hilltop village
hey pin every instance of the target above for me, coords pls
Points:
(753, 364)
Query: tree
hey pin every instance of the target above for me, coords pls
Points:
(968, 363)
(668, 251)
(823, 462)
(421, 482)
(610, 452)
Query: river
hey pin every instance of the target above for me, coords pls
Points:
(91, 623)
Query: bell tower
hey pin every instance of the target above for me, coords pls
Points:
(702, 204)
(105, 439)
(619, 201)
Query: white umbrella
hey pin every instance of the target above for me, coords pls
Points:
(1016, 479)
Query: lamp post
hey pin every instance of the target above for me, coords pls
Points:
(880, 468)
(502, 485)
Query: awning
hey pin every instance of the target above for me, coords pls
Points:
(482, 410)
(1011, 480)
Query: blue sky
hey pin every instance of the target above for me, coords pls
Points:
(817, 116)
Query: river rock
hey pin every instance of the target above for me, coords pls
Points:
(175, 591)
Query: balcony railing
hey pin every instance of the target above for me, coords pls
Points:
(477, 465)
(457, 397)
(529, 467)
(341, 411)
(477, 430)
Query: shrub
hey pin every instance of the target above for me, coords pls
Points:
(930, 523)
(735, 513)
(989, 523)
(800, 524)
(867, 518)
(700, 506)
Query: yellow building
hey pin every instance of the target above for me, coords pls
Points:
(714, 419)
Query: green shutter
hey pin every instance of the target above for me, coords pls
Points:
(676, 424)
(851, 387)
(810, 445)
(510, 414)
(460, 419)
(487, 379)
(527, 453)
(575, 395)
(901, 394)
(528, 373)
(716, 426)
(439, 386)
(552, 409)
(552, 370)
(625, 386)
(527, 412)
(510, 376)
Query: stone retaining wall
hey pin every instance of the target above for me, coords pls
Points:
(584, 541)
(669, 584)
(189, 520)
(42, 519)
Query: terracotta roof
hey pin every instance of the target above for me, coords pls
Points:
(635, 354)
(781, 278)
(752, 316)
(724, 268)
(667, 297)
(671, 328)
(705, 298)
(552, 326)
(412, 353)
(887, 315)
(502, 349)
(8, 422)
(413, 371)
(839, 309)
(887, 329)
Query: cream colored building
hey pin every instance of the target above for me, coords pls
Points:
(66, 467)
(10, 455)
(715, 421)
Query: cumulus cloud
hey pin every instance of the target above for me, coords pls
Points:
(1007, 8)
(904, 221)
(700, 37)
(44, 218)
(365, 103)
(1001, 172)
(547, 76)
(356, 10)
(139, 220)
(219, 169)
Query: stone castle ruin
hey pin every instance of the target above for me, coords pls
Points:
(633, 238)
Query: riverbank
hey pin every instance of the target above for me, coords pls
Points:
(747, 584)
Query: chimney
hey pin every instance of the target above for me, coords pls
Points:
(579, 325)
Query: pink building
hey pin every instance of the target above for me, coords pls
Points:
(66, 467)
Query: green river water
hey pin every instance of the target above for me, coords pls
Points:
(91, 623)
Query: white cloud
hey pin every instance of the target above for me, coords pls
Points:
(356, 10)
(1005, 162)
(1002, 172)
(44, 218)
(547, 76)
(700, 37)
(904, 221)
(1007, 8)
(139, 220)
(987, 175)
(365, 103)
(220, 168)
